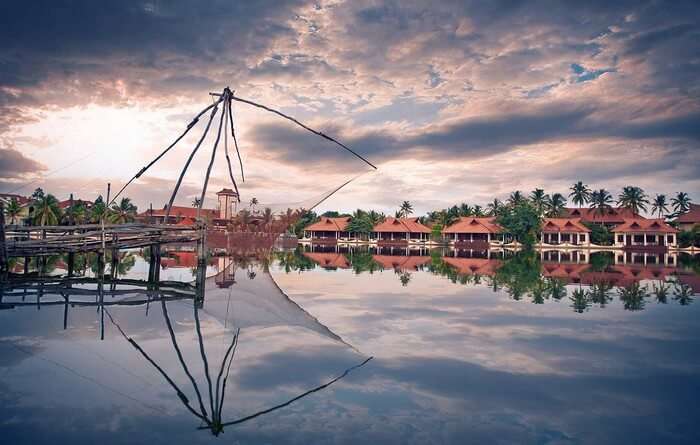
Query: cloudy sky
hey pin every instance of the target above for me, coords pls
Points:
(453, 101)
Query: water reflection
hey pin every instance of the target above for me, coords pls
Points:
(537, 276)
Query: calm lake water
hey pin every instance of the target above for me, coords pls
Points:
(328, 345)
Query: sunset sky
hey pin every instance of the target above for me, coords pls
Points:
(453, 101)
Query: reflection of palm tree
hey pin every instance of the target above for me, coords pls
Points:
(600, 293)
(683, 294)
(405, 278)
(633, 296)
(557, 288)
(661, 293)
(579, 301)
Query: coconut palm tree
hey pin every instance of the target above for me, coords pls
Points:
(122, 213)
(405, 209)
(540, 200)
(516, 198)
(494, 207)
(681, 203)
(556, 205)
(195, 202)
(601, 200)
(478, 211)
(13, 210)
(580, 194)
(253, 202)
(633, 198)
(98, 210)
(658, 206)
(465, 210)
(267, 218)
(46, 211)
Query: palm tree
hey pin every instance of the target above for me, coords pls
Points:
(405, 209)
(122, 213)
(98, 210)
(253, 202)
(540, 200)
(46, 211)
(580, 194)
(601, 200)
(268, 217)
(633, 198)
(13, 211)
(195, 202)
(465, 210)
(494, 207)
(556, 205)
(515, 198)
(659, 206)
(478, 211)
(681, 203)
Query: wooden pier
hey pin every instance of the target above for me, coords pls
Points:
(26, 241)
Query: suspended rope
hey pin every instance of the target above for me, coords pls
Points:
(184, 133)
(233, 135)
(228, 159)
(318, 133)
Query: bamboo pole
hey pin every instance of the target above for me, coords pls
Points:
(233, 135)
(228, 159)
(211, 164)
(189, 160)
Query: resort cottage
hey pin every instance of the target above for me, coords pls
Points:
(610, 217)
(642, 232)
(400, 230)
(689, 219)
(328, 228)
(556, 231)
(474, 230)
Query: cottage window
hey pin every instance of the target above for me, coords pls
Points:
(670, 239)
(582, 237)
(620, 238)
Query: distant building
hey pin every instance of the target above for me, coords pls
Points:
(474, 230)
(177, 215)
(556, 231)
(609, 217)
(643, 232)
(328, 228)
(400, 230)
(689, 219)
(67, 203)
(228, 203)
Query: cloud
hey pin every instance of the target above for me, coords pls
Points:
(14, 165)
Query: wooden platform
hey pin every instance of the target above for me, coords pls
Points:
(26, 241)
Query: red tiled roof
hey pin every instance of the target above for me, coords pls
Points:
(181, 211)
(66, 203)
(334, 260)
(402, 225)
(644, 225)
(187, 222)
(225, 191)
(613, 215)
(564, 225)
(690, 217)
(469, 224)
(21, 200)
(401, 262)
(180, 259)
(328, 224)
(474, 266)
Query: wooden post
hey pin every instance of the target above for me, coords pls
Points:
(4, 265)
(201, 265)
(71, 263)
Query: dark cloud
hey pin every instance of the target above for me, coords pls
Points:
(14, 165)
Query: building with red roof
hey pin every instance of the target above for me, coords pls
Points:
(556, 231)
(469, 229)
(177, 214)
(609, 217)
(400, 230)
(644, 233)
(329, 229)
(689, 219)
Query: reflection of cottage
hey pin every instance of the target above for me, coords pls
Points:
(642, 232)
(400, 230)
(227, 272)
(475, 230)
(329, 261)
(556, 231)
(689, 219)
(328, 228)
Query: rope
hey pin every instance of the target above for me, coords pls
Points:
(318, 133)
(228, 159)
(233, 134)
